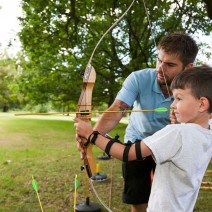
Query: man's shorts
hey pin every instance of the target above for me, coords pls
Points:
(137, 180)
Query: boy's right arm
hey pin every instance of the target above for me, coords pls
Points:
(115, 149)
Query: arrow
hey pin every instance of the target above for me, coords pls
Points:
(76, 184)
(158, 110)
(35, 186)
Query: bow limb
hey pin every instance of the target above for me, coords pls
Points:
(85, 106)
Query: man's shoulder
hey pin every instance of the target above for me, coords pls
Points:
(146, 71)
(145, 74)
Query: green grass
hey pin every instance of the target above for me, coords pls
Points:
(46, 149)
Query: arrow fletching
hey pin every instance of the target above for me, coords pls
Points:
(34, 184)
(76, 183)
(161, 109)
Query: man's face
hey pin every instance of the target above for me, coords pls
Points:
(167, 67)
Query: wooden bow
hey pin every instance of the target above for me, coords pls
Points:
(85, 106)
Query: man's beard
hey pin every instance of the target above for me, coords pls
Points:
(165, 81)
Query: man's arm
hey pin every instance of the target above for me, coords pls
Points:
(108, 121)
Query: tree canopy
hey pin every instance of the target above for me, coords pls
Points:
(8, 86)
(58, 38)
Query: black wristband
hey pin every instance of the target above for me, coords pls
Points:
(93, 140)
(95, 135)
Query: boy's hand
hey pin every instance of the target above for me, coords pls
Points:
(83, 130)
(172, 117)
(79, 147)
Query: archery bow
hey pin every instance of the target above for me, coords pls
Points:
(84, 105)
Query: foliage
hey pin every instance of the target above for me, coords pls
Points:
(58, 38)
(8, 72)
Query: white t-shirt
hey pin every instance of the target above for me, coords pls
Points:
(182, 153)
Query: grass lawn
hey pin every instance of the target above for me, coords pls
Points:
(45, 148)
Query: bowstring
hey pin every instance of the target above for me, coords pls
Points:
(111, 27)
(153, 35)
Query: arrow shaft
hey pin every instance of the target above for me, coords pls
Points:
(84, 112)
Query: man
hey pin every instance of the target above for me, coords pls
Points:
(148, 89)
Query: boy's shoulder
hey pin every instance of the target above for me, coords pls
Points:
(186, 128)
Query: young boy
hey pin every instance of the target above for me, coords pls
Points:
(182, 152)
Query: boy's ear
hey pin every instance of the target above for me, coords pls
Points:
(204, 104)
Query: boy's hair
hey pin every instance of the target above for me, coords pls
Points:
(181, 45)
(198, 79)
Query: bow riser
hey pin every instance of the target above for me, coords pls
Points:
(85, 105)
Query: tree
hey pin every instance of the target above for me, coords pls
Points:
(58, 38)
(8, 98)
(208, 7)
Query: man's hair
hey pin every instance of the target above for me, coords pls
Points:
(181, 45)
(198, 79)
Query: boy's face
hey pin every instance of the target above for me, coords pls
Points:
(186, 107)
(170, 64)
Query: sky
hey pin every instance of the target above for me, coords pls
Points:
(9, 27)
